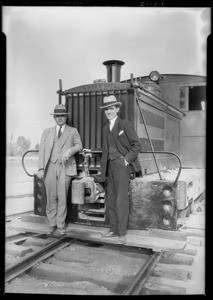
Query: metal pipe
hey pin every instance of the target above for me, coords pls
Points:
(60, 90)
(131, 78)
(144, 122)
(23, 164)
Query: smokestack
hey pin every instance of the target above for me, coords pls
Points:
(113, 70)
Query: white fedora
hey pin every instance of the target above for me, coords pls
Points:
(110, 101)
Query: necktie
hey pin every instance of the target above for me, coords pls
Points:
(59, 132)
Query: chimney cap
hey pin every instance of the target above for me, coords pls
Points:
(113, 62)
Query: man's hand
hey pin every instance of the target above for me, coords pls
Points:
(40, 174)
(66, 156)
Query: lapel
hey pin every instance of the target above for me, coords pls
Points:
(65, 135)
(52, 136)
(105, 135)
(115, 128)
(115, 132)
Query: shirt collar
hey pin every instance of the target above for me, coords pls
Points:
(58, 127)
(112, 122)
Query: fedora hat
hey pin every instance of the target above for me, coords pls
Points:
(110, 101)
(60, 109)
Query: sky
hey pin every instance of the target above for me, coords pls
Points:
(45, 44)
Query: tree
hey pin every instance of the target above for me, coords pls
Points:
(11, 149)
(22, 145)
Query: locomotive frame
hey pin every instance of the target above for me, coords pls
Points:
(158, 107)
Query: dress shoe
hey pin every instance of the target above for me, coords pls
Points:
(61, 231)
(109, 234)
(51, 229)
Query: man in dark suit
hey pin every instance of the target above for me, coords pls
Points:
(56, 164)
(121, 146)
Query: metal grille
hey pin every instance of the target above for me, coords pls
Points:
(88, 118)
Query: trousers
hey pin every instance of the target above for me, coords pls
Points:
(117, 199)
(57, 185)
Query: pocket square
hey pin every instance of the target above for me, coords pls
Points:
(120, 132)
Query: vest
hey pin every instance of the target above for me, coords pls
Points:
(56, 151)
(113, 152)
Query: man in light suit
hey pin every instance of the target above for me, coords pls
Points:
(56, 164)
(121, 146)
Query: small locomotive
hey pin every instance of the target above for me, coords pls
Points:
(168, 112)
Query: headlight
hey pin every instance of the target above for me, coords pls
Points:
(167, 191)
(166, 221)
(167, 208)
(154, 76)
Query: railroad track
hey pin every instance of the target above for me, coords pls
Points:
(118, 269)
(23, 264)
(136, 286)
(53, 246)
(39, 263)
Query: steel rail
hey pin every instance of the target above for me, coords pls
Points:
(25, 264)
(135, 287)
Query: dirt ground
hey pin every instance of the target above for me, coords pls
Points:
(30, 285)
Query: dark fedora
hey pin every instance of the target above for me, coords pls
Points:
(110, 101)
(60, 109)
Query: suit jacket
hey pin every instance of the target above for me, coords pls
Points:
(70, 144)
(127, 142)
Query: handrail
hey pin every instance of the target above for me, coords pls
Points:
(159, 152)
(100, 152)
(23, 164)
(168, 152)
